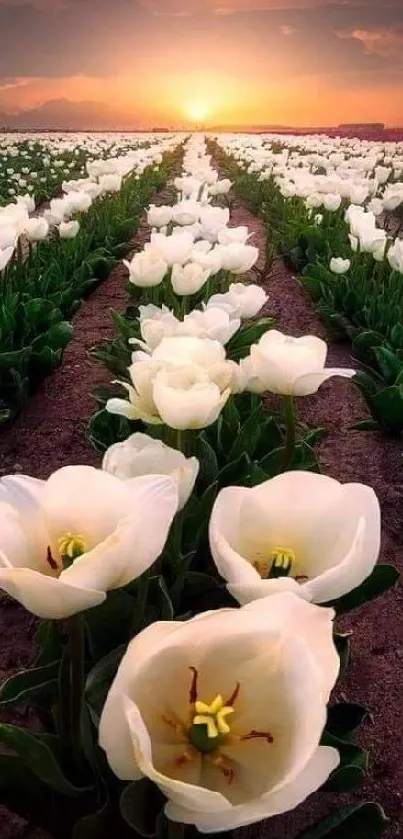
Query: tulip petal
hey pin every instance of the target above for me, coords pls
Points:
(322, 764)
(310, 382)
(47, 597)
(138, 539)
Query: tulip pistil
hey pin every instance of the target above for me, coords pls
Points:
(209, 724)
(71, 546)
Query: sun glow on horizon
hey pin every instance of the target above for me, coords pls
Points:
(197, 111)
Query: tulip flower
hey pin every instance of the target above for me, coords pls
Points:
(238, 258)
(36, 229)
(173, 249)
(159, 216)
(299, 532)
(59, 555)
(339, 265)
(69, 229)
(186, 212)
(185, 383)
(141, 455)
(8, 236)
(146, 269)
(293, 366)
(395, 256)
(225, 712)
(229, 235)
(5, 256)
(332, 202)
(188, 279)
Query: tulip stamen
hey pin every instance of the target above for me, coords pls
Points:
(259, 735)
(193, 686)
(184, 758)
(71, 546)
(234, 695)
(177, 727)
(224, 767)
(283, 561)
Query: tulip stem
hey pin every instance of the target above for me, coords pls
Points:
(290, 429)
(176, 830)
(76, 636)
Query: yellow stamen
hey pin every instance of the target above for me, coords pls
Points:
(72, 545)
(280, 563)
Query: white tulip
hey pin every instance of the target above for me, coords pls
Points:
(110, 183)
(229, 235)
(5, 256)
(159, 216)
(225, 712)
(213, 322)
(338, 265)
(59, 555)
(69, 229)
(332, 202)
(8, 236)
(79, 202)
(250, 298)
(211, 261)
(36, 229)
(186, 212)
(188, 279)
(292, 366)
(299, 532)
(146, 269)
(395, 256)
(238, 258)
(141, 455)
(174, 249)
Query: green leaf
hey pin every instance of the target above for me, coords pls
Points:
(365, 425)
(100, 679)
(248, 437)
(109, 625)
(342, 644)
(363, 821)
(344, 718)
(140, 805)
(235, 473)
(382, 578)
(39, 682)
(208, 461)
(40, 754)
(388, 405)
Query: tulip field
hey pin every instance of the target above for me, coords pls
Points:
(201, 417)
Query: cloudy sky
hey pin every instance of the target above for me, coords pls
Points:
(160, 62)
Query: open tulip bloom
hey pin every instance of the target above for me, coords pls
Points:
(292, 366)
(225, 712)
(299, 532)
(67, 541)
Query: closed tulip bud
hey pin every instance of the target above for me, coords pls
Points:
(174, 249)
(339, 265)
(332, 202)
(69, 229)
(146, 269)
(36, 229)
(141, 455)
(238, 258)
(159, 216)
(188, 279)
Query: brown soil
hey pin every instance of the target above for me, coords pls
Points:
(51, 433)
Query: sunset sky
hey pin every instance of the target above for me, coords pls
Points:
(171, 62)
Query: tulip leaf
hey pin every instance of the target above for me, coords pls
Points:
(344, 718)
(382, 578)
(249, 436)
(342, 644)
(39, 682)
(48, 640)
(140, 805)
(208, 461)
(350, 754)
(345, 779)
(99, 681)
(235, 473)
(109, 625)
(365, 821)
(40, 753)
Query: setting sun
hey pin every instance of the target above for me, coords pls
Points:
(198, 111)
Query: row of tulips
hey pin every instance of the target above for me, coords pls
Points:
(46, 276)
(185, 667)
(341, 230)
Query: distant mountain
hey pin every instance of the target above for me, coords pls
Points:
(62, 114)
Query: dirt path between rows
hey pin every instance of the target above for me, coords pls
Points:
(375, 673)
